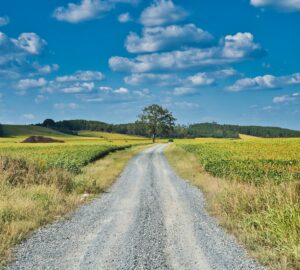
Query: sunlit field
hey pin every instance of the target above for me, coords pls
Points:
(255, 191)
(41, 181)
(249, 160)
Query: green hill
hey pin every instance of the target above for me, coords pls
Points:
(22, 130)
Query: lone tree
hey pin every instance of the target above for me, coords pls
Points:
(49, 123)
(157, 120)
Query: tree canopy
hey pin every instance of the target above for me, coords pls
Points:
(157, 120)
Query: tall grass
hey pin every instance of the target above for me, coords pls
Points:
(265, 217)
(32, 195)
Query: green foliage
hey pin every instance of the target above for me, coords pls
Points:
(157, 120)
(70, 157)
(23, 130)
(253, 161)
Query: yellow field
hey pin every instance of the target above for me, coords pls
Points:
(254, 190)
(40, 182)
(248, 160)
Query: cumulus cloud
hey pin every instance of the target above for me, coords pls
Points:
(44, 69)
(151, 78)
(162, 12)
(105, 88)
(79, 88)
(233, 48)
(30, 42)
(26, 84)
(121, 90)
(4, 21)
(287, 5)
(265, 82)
(186, 105)
(65, 106)
(201, 79)
(86, 10)
(87, 75)
(286, 98)
(124, 18)
(17, 49)
(40, 99)
(163, 38)
(182, 91)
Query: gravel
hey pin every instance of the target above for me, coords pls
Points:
(149, 219)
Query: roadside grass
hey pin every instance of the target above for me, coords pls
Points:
(32, 196)
(265, 218)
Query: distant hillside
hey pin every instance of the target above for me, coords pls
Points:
(268, 132)
(202, 130)
(232, 131)
(109, 136)
(23, 130)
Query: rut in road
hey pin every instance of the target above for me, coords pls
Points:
(149, 219)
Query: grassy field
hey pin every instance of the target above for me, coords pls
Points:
(253, 187)
(22, 130)
(41, 182)
(109, 136)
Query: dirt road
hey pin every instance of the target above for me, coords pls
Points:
(150, 219)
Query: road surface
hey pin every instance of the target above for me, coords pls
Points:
(149, 219)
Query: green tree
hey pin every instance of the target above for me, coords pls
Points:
(1, 130)
(49, 123)
(157, 120)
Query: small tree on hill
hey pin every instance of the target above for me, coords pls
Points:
(49, 123)
(157, 120)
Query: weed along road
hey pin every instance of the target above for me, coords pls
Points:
(149, 219)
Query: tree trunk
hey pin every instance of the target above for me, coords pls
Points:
(153, 138)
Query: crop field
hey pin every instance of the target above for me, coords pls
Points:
(40, 182)
(253, 187)
(252, 161)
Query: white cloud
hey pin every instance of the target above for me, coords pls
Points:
(232, 49)
(86, 10)
(31, 83)
(65, 106)
(28, 116)
(162, 12)
(30, 42)
(79, 88)
(151, 78)
(265, 82)
(286, 98)
(201, 79)
(124, 18)
(12, 50)
(40, 99)
(186, 105)
(287, 5)
(121, 91)
(45, 69)
(142, 93)
(87, 75)
(162, 38)
(105, 88)
(240, 45)
(4, 21)
(181, 91)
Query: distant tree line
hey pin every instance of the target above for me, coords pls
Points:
(1, 130)
(203, 130)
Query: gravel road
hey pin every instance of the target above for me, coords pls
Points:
(149, 219)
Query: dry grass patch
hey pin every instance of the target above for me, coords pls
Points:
(265, 218)
(31, 196)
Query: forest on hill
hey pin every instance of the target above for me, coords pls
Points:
(202, 130)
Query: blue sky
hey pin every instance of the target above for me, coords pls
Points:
(233, 61)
